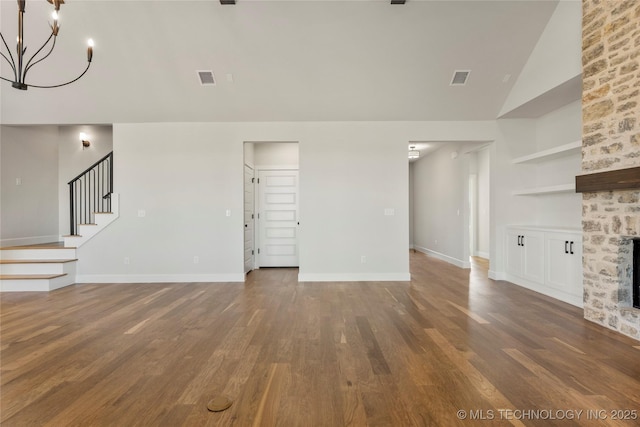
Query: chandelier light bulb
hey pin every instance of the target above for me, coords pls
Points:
(90, 50)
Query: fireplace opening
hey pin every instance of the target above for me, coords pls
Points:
(636, 273)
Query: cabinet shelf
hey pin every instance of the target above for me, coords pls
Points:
(553, 189)
(550, 154)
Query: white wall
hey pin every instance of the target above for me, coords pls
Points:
(249, 154)
(73, 159)
(560, 127)
(275, 154)
(555, 59)
(484, 191)
(29, 211)
(185, 191)
(441, 190)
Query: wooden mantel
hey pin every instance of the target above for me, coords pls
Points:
(622, 179)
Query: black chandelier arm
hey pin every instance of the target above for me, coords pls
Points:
(12, 62)
(63, 84)
(7, 80)
(12, 66)
(29, 65)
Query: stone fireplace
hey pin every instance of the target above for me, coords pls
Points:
(611, 143)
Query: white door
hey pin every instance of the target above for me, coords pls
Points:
(249, 252)
(278, 218)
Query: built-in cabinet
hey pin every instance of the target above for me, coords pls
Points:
(546, 260)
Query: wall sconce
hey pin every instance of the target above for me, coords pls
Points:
(84, 140)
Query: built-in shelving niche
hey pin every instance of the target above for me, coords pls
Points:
(543, 156)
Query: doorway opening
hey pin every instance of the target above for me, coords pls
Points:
(271, 203)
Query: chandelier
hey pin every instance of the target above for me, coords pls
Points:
(21, 65)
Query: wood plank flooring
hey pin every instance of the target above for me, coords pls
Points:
(312, 354)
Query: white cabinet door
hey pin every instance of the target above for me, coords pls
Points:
(564, 262)
(532, 245)
(514, 252)
(525, 254)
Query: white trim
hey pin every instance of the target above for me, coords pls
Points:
(481, 254)
(354, 277)
(443, 257)
(545, 290)
(497, 275)
(159, 278)
(35, 240)
(276, 167)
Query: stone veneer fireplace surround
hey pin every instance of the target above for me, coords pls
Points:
(610, 142)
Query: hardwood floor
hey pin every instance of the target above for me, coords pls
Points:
(312, 354)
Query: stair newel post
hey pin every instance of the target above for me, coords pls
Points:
(110, 178)
(72, 219)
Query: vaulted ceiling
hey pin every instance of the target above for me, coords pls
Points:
(273, 60)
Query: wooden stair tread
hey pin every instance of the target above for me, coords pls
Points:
(30, 276)
(36, 261)
(10, 248)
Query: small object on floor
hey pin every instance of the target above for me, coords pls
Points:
(219, 403)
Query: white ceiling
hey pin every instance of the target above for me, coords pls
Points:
(290, 60)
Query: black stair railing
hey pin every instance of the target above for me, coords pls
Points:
(90, 192)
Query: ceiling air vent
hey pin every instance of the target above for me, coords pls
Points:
(206, 78)
(460, 77)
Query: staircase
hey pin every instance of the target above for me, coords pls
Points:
(36, 268)
(93, 206)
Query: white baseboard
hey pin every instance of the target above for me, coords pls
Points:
(451, 260)
(497, 275)
(575, 300)
(158, 278)
(354, 277)
(24, 241)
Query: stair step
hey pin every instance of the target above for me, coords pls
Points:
(31, 276)
(37, 253)
(43, 246)
(34, 282)
(36, 261)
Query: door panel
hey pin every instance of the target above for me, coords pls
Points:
(278, 220)
(249, 253)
